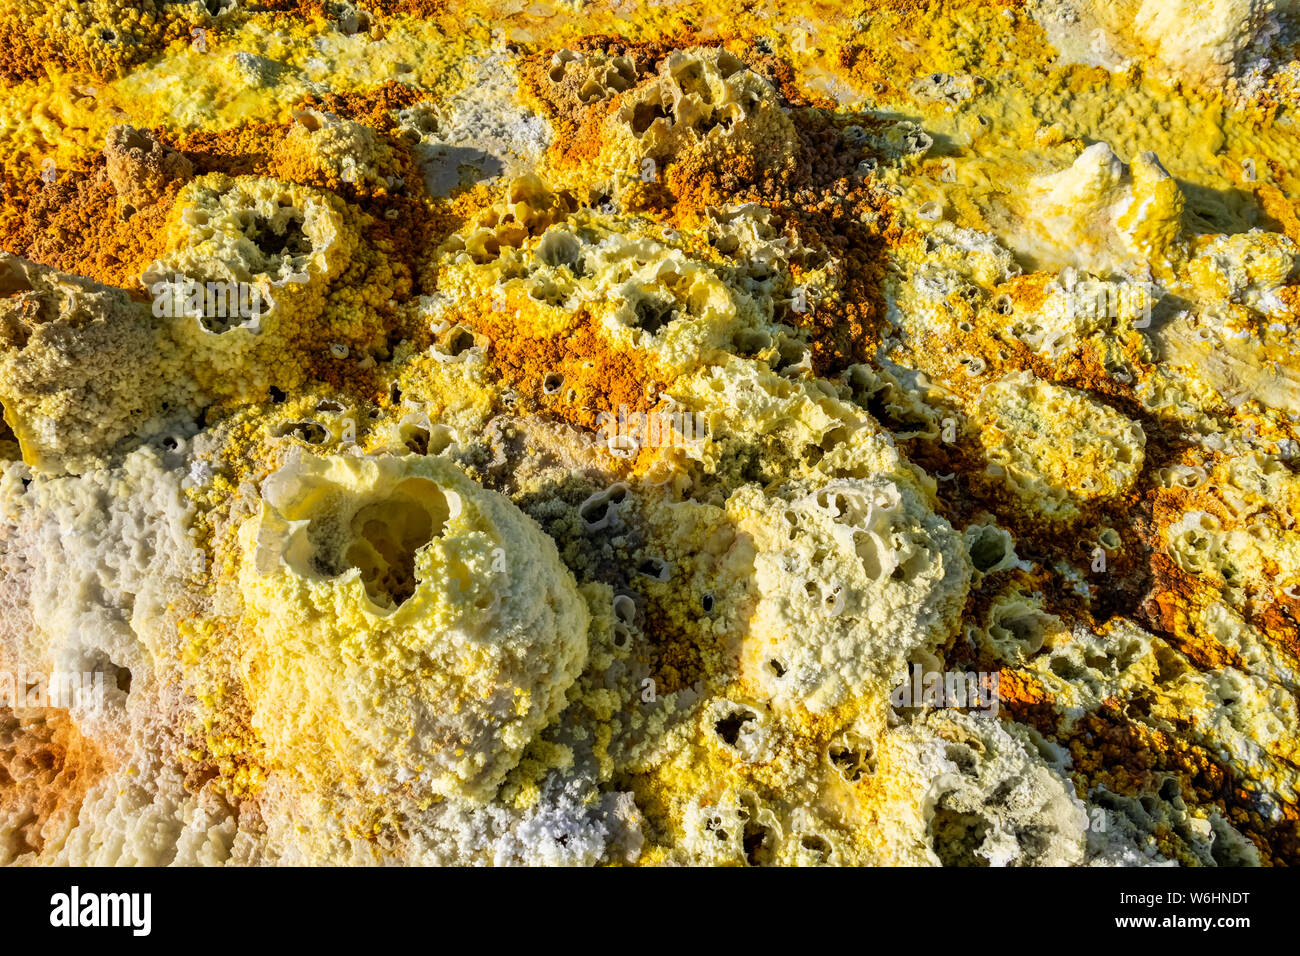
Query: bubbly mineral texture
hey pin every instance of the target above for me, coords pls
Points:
(388, 641)
(449, 431)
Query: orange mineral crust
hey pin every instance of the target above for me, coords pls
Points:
(728, 434)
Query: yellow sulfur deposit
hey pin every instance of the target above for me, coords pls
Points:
(389, 640)
(481, 432)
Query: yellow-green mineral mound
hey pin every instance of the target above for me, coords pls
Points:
(487, 432)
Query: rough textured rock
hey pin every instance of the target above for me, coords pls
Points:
(435, 434)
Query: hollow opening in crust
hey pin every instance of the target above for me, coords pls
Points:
(956, 837)
(387, 535)
(285, 239)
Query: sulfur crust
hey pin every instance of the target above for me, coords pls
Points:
(644, 396)
(85, 367)
(437, 696)
(1055, 449)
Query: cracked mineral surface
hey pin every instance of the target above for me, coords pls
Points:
(728, 433)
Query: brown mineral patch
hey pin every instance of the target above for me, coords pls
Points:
(373, 107)
(1128, 757)
(846, 330)
(1116, 748)
(46, 767)
(248, 150)
(1280, 209)
(1280, 622)
(782, 75)
(37, 35)
(1015, 687)
(1174, 596)
(575, 376)
(320, 9)
(76, 224)
(420, 9)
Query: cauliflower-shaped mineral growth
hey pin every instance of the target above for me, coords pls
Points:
(470, 432)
